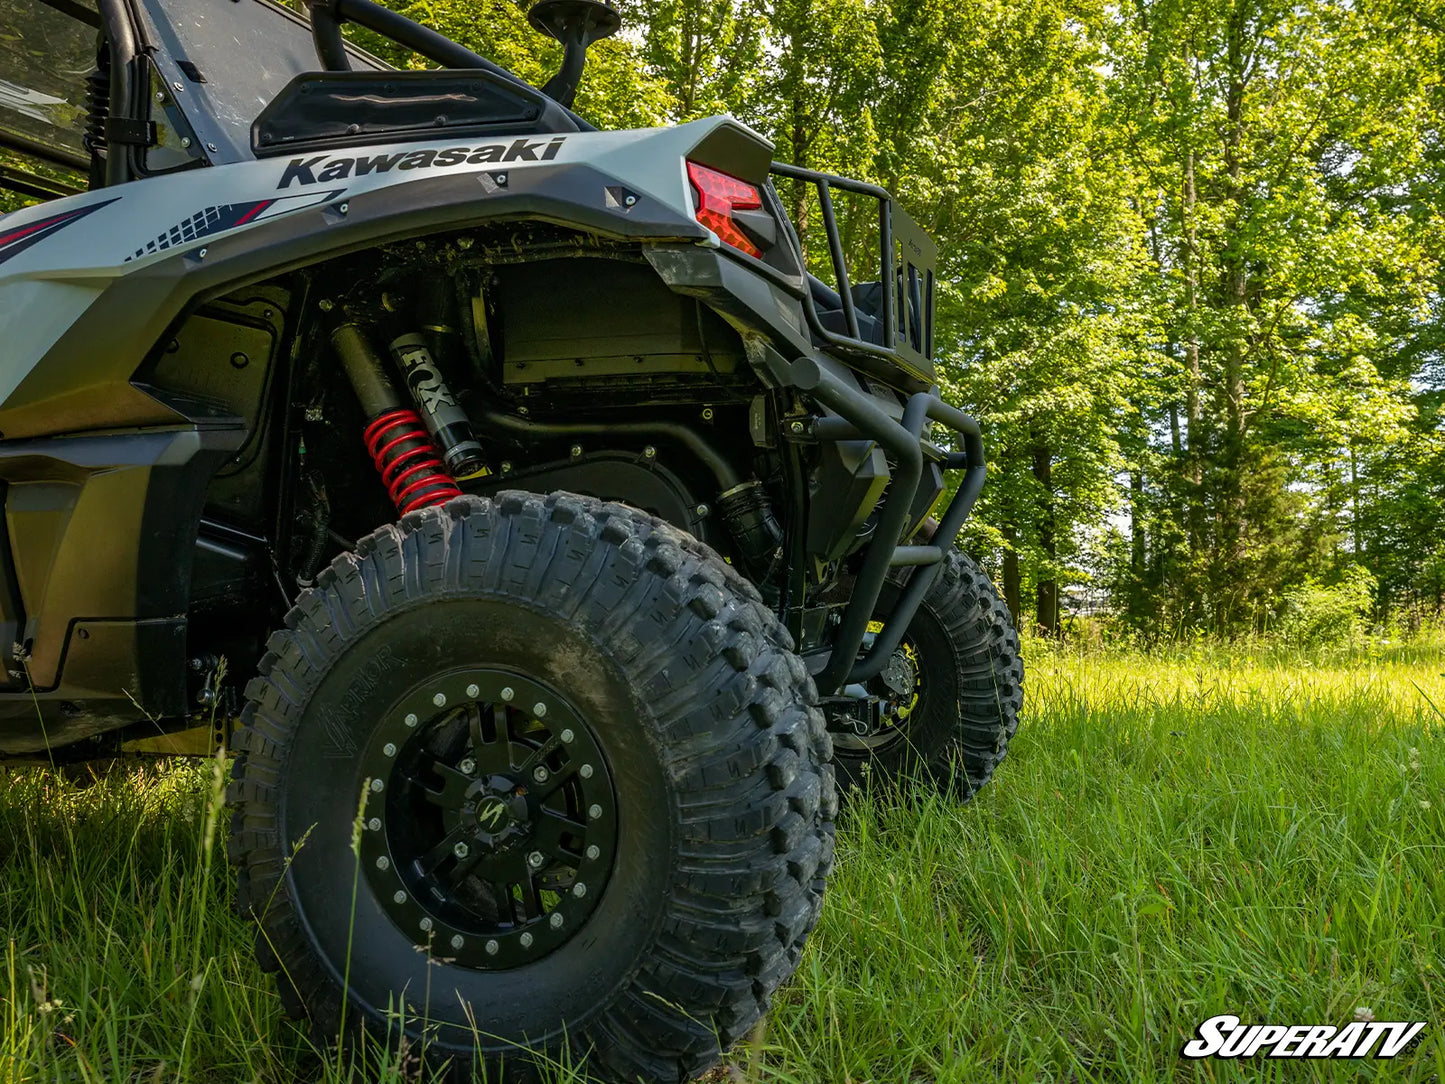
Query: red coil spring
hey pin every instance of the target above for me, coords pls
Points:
(410, 468)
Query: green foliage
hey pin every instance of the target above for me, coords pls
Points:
(1314, 613)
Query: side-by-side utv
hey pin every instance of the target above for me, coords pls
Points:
(551, 512)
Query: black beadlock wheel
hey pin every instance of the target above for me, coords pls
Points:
(951, 693)
(533, 779)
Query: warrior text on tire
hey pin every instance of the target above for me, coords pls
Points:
(949, 697)
(535, 771)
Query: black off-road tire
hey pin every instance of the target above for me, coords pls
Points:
(969, 696)
(706, 721)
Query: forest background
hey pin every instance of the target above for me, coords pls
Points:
(1190, 272)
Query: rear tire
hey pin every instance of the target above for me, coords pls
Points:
(598, 807)
(962, 653)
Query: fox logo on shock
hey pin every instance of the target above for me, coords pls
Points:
(1224, 1037)
(323, 169)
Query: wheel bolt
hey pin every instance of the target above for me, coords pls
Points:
(556, 920)
(468, 766)
(593, 851)
(425, 924)
(567, 736)
(579, 890)
(539, 709)
(388, 750)
(492, 948)
(458, 941)
(507, 694)
(410, 720)
(535, 859)
(539, 774)
(439, 700)
(473, 691)
(383, 862)
(398, 896)
(377, 785)
(526, 940)
(374, 824)
(594, 811)
(585, 771)
(461, 850)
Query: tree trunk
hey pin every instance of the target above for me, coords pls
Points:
(1193, 416)
(1047, 593)
(1011, 586)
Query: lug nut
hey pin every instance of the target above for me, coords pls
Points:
(461, 850)
(468, 766)
(593, 851)
(457, 941)
(507, 694)
(374, 824)
(398, 896)
(410, 720)
(439, 700)
(526, 940)
(535, 859)
(473, 691)
(585, 771)
(579, 890)
(388, 750)
(425, 924)
(539, 709)
(594, 811)
(567, 736)
(492, 948)
(539, 773)
(377, 785)
(383, 863)
(555, 921)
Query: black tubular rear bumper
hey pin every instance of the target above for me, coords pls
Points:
(859, 415)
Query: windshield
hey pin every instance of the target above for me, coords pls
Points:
(230, 57)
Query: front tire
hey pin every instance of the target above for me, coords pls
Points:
(952, 692)
(595, 804)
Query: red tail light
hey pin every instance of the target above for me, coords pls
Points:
(718, 197)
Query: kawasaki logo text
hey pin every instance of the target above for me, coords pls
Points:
(322, 169)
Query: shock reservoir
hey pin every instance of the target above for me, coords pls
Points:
(444, 419)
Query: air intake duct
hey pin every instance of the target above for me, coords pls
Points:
(748, 515)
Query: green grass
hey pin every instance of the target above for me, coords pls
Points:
(1252, 831)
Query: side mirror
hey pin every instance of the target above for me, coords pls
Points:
(576, 24)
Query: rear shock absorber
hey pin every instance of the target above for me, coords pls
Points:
(396, 439)
(445, 421)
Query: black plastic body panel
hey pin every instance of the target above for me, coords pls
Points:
(328, 110)
(591, 334)
(102, 530)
